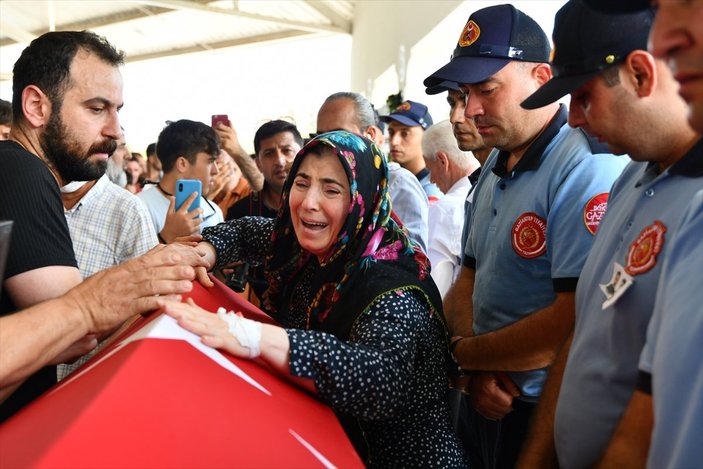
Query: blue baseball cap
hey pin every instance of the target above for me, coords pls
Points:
(490, 40)
(586, 42)
(411, 114)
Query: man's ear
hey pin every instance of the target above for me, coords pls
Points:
(542, 73)
(374, 134)
(443, 160)
(640, 66)
(36, 106)
(182, 164)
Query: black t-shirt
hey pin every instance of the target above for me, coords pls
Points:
(29, 196)
(253, 205)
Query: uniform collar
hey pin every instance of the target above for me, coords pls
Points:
(691, 165)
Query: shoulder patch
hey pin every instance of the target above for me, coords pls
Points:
(529, 235)
(642, 255)
(594, 210)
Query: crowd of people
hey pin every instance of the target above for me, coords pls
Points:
(515, 286)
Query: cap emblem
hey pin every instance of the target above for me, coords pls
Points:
(404, 106)
(470, 34)
(610, 59)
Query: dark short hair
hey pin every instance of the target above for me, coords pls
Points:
(5, 112)
(46, 63)
(185, 138)
(151, 149)
(272, 128)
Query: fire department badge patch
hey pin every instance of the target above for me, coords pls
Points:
(642, 255)
(529, 235)
(594, 210)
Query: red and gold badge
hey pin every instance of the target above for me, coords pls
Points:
(594, 210)
(529, 235)
(643, 252)
(470, 33)
(404, 106)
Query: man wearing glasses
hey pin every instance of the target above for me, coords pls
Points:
(187, 150)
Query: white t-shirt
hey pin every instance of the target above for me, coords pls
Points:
(157, 204)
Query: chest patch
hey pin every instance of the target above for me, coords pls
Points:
(529, 235)
(594, 210)
(642, 255)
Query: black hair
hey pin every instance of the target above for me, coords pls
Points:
(46, 63)
(272, 128)
(185, 138)
(5, 112)
(151, 149)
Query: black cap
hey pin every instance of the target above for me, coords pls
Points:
(586, 42)
(492, 38)
(442, 87)
(618, 6)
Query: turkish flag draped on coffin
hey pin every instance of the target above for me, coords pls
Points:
(157, 397)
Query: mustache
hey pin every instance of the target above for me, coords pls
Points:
(107, 146)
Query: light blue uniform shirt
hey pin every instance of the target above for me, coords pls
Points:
(674, 351)
(529, 236)
(601, 372)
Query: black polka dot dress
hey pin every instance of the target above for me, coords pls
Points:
(390, 375)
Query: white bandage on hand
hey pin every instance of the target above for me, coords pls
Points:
(246, 331)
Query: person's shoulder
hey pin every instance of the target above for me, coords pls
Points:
(15, 158)
(242, 207)
(148, 197)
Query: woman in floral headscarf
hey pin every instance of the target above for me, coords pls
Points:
(363, 321)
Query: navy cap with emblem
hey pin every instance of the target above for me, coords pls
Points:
(492, 38)
(411, 114)
(586, 42)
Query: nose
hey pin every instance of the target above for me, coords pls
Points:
(311, 199)
(112, 127)
(576, 116)
(214, 169)
(456, 113)
(394, 138)
(474, 107)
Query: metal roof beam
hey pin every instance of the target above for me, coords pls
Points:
(334, 17)
(16, 34)
(218, 45)
(191, 5)
(91, 23)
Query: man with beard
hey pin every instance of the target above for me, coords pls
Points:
(67, 93)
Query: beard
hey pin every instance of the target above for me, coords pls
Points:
(64, 151)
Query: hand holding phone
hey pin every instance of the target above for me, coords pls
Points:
(184, 189)
(223, 118)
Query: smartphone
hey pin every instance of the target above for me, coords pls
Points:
(217, 118)
(184, 188)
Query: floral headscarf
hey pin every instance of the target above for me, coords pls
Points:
(373, 253)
